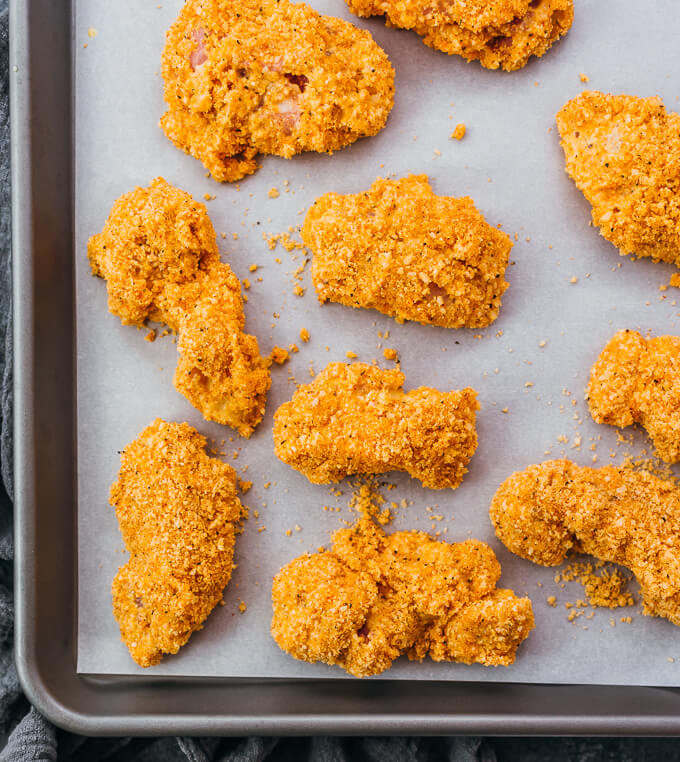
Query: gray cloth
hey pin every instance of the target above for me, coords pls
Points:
(28, 736)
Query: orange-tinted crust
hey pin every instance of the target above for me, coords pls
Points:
(158, 254)
(373, 597)
(620, 515)
(178, 510)
(637, 380)
(356, 419)
(623, 153)
(497, 33)
(270, 77)
(400, 249)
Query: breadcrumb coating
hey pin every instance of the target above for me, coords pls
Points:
(178, 510)
(620, 515)
(158, 254)
(374, 597)
(637, 380)
(623, 153)
(400, 249)
(356, 419)
(269, 77)
(497, 33)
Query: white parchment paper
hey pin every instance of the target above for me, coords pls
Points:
(568, 288)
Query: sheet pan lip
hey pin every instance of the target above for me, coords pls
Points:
(63, 712)
(22, 380)
(30, 679)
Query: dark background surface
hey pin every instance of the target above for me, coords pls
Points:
(25, 735)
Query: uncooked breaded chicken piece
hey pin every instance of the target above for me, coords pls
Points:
(374, 597)
(400, 249)
(178, 511)
(269, 77)
(620, 515)
(497, 33)
(637, 380)
(623, 153)
(158, 254)
(356, 419)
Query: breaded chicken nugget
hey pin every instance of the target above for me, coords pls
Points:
(637, 380)
(356, 419)
(158, 254)
(497, 33)
(627, 517)
(374, 597)
(177, 509)
(403, 251)
(623, 153)
(271, 77)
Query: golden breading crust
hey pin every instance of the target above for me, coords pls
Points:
(159, 256)
(637, 380)
(497, 33)
(623, 153)
(177, 509)
(356, 419)
(403, 251)
(615, 513)
(271, 77)
(374, 597)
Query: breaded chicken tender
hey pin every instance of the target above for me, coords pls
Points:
(403, 251)
(374, 597)
(270, 77)
(620, 515)
(637, 380)
(158, 254)
(356, 419)
(497, 33)
(178, 511)
(623, 153)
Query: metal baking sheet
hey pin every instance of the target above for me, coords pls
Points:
(46, 461)
(532, 362)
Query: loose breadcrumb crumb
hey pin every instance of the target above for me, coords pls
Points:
(603, 587)
(459, 132)
(368, 501)
(279, 355)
